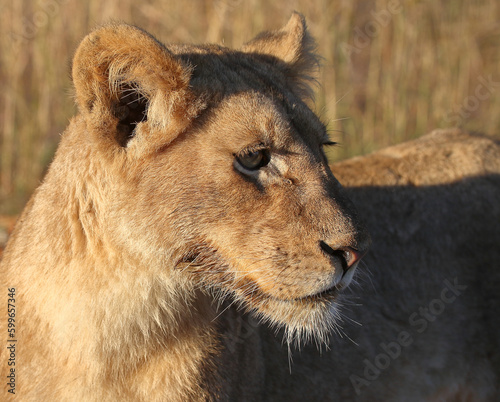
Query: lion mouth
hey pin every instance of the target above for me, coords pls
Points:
(325, 295)
(329, 294)
(333, 291)
(311, 316)
(198, 260)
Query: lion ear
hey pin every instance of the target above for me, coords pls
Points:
(125, 78)
(292, 45)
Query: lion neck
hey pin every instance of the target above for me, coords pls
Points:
(140, 325)
(164, 327)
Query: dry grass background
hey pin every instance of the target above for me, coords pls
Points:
(392, 70)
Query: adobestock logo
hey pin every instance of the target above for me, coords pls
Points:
(44, 10)
(418, 323)
(371, 29)
(483, 91)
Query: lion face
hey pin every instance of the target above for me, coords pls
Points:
(270, 223)
(219, 173)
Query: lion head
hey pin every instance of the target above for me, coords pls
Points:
(212, 168)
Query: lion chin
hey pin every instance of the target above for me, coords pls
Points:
(310, 318)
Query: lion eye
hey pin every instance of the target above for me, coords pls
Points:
(253, 160)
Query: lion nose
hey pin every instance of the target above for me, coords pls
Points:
(352, 256)
(347, 255)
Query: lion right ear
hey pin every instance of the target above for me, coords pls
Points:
(294, 48)
(124, 78)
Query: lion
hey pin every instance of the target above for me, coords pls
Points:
(190, 223)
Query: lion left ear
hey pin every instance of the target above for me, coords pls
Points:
(125, 79)
(293, 46)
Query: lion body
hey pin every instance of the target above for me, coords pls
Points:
(152, 214)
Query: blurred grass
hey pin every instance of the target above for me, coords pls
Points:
(384, 80)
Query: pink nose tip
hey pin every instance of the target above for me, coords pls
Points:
(348, 255)
(352, 256)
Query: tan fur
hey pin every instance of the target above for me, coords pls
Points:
(136, 259)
